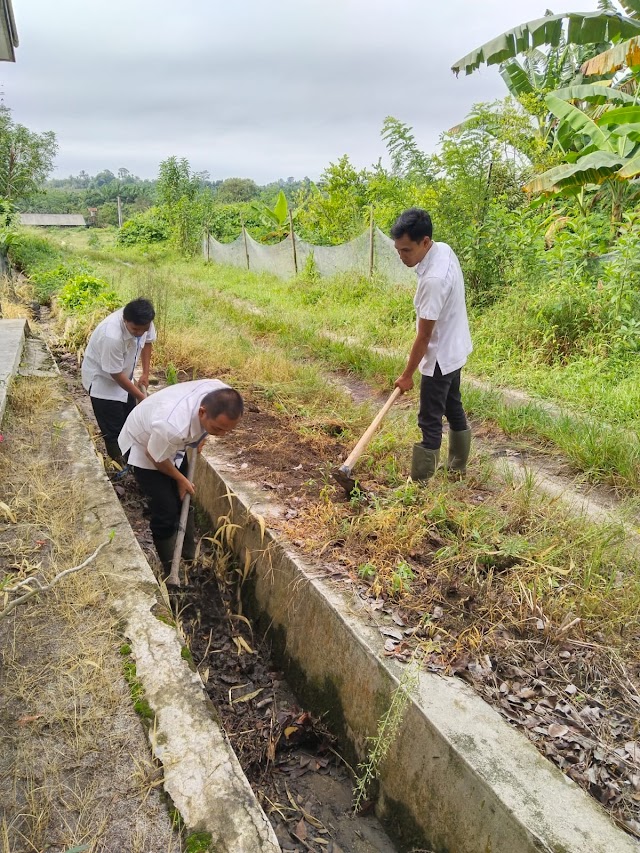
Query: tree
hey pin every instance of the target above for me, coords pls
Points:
(237, 189)
(26, 158)
(407, 160)
(608, 147)
(177, 181)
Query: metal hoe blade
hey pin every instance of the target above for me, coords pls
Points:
(343, 478)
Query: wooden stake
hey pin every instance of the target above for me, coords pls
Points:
(119, 213)
(208, 238)
(246, 247)
(371, 244)
(293, 242)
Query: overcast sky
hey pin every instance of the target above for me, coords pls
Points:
(255, 88)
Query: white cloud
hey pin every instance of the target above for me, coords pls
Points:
(262, 90)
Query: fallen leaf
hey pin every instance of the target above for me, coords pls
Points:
(557, 731)
(392, 632)
(24, 720)
(248, 696)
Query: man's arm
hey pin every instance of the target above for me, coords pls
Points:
(145, 360)
(124, 382)
(167, 467)
(425, 329)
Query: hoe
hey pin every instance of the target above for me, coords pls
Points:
(343, 474)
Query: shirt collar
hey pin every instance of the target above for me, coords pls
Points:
(125, 332)
(424, 263)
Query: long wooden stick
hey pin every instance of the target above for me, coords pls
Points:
(355, 454)
(174, 575)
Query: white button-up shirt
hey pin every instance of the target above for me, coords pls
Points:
(112, 349)
(166, 423)
(440, 297)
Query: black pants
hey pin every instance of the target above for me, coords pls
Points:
(162, 496)
(440, 395)
(111, 415)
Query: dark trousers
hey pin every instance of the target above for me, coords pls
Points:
(111, 415)
(440, 396)
(163, 499)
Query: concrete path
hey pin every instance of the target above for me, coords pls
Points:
(12, 338)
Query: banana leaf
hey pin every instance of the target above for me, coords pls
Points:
(592, 169)
(619, 116)
(578, 121)
(594, 93)
(631, 7)
(626, 53)
(516, 79)
(631, 169)
(582, 28)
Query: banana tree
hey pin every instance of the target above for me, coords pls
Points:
(600, 151)
(275, 218)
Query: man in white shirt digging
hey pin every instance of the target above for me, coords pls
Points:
(109, 361)
(441, 346)
(157, 434)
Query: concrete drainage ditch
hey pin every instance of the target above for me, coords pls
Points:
(458, 778)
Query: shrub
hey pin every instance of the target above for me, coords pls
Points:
(85, 292)
(144, 229)
(47, 281)
(28, 253)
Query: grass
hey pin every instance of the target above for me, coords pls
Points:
(257, 327)
(520, 559)
(74, 765)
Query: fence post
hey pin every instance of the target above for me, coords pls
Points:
(246, 247)
(207, 237)
(293, 242)
(119, 213)
(371, 244)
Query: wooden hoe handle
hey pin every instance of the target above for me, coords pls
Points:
(174, 576)
(357, 451)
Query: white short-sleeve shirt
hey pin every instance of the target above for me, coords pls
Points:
(440, 297)
(112, 349)
(166, 423)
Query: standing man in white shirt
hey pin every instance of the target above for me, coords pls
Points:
(157, 434)
(110, 359)
(441, 346)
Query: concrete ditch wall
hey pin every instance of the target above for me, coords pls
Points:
(458, 779)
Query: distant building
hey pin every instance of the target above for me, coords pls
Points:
(8, 32)
(55, 220)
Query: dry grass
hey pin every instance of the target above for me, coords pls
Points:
(74, 765)
(11, 305)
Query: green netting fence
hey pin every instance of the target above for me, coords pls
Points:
(371, 252)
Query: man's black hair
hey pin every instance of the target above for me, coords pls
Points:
(223, 401)
(139, 311)
(415, 223)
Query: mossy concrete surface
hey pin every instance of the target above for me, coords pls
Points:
(458, 778)
(202, 775)
(12, 338)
